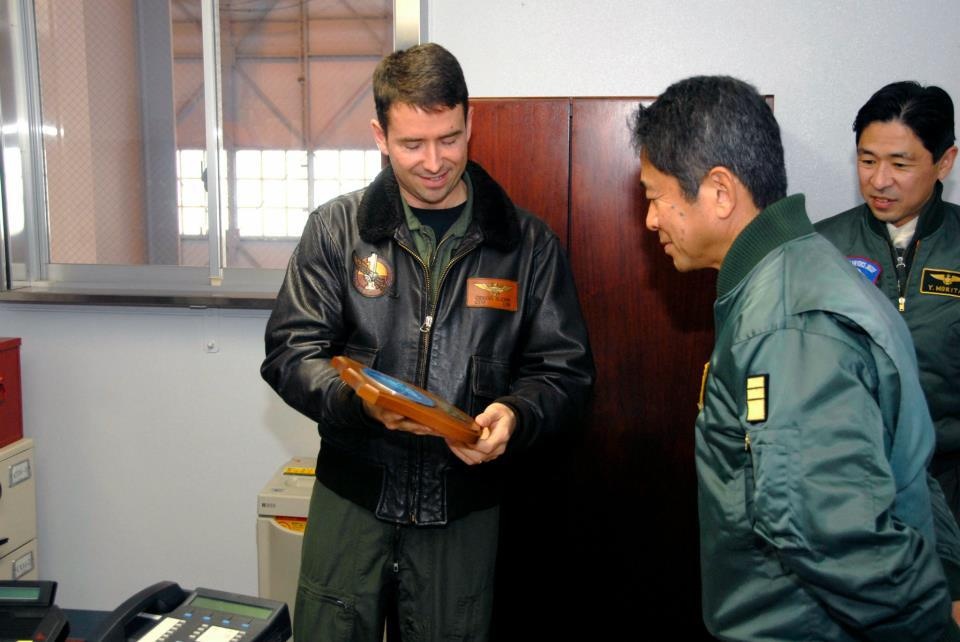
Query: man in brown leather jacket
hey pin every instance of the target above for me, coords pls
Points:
(433, 276)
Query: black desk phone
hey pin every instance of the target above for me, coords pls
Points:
(164, 611)
(27, 612)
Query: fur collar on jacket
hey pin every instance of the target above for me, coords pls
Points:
(381, 212)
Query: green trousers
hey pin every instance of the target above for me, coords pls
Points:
(355, 569)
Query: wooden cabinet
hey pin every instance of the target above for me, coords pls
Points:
(11, 408)
(600, 533)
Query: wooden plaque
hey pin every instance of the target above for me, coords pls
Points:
(408, 400)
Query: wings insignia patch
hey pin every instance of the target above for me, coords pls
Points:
(940, 282)
(494, 288)
(499, 294)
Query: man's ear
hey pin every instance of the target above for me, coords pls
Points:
(720, 188)
(469, 122)
(379, 136)
(945, 164)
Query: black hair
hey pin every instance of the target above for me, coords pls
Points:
(927, 111)
(426, 76)
(709, 121)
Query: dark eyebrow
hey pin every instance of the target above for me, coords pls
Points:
(904, 155)
(415, 139)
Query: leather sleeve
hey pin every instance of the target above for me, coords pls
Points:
(555, 371)
(306, 330)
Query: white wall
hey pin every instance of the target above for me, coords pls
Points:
(821, 59)
(150, 451)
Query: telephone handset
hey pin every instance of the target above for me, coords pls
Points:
(164, 611)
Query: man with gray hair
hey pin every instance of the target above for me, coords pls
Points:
(813, 437)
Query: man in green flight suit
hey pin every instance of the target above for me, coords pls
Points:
(906, 239)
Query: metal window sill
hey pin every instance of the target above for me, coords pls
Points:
(122, 297)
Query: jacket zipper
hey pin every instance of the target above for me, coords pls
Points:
(433, 308)
(427, 322)
(396, 549)
(426, 326)
(900, 266)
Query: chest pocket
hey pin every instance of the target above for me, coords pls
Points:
(366, 356)
(489, 379)
(738, 510)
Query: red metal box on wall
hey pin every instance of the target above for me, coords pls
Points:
(11, 406)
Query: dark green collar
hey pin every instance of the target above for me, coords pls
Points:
(427, 242)
(780, 222)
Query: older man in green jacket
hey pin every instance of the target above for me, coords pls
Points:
(813, 436)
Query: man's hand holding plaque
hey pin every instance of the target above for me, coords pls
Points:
(408, 402)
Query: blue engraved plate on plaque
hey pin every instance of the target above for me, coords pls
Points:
(399, 387)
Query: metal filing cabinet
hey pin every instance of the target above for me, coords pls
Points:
(18, 512)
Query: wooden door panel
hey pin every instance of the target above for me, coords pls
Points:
(599, 534)
(651, 327)
(651, 332)
(523, 143)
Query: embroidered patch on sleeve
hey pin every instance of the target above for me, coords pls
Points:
(867, 267)
(492, 293)
(941, 282)
(757, 398)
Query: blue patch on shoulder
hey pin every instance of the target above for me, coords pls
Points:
(866, 267)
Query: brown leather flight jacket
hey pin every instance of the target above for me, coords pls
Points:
(356, 286)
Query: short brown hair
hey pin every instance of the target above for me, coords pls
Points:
(426, 76)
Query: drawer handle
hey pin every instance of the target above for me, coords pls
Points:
(3, 391)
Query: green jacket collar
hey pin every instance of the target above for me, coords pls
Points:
(426, 243)
(775, 225)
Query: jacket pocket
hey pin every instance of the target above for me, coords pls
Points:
(773, 475)
(345, 424)
(489, 380)
(731, 509)
(366, 356)
(749, 488)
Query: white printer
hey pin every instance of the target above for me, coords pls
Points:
(281, 518)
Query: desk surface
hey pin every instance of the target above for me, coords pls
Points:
(83, 623)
